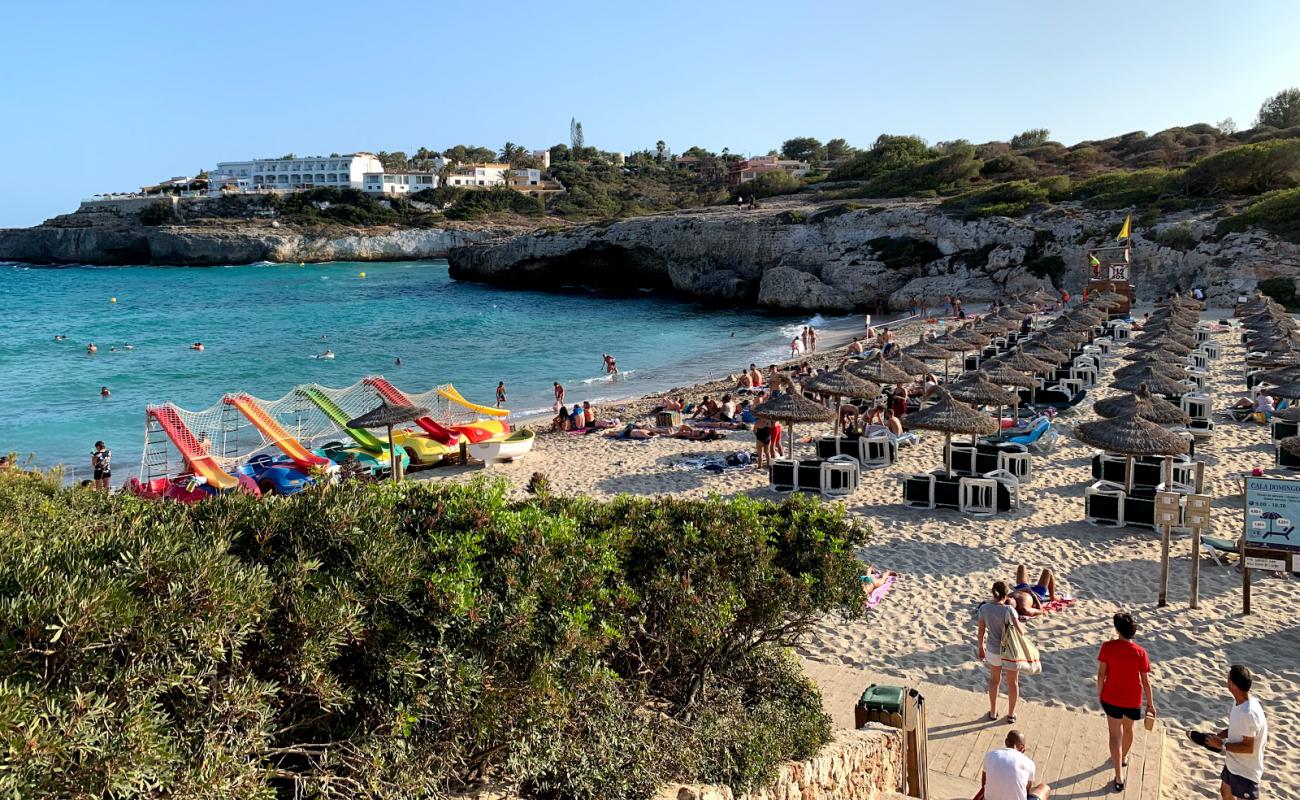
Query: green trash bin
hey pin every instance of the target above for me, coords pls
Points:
(880, 703)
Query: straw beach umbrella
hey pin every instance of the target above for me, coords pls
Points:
(387, 416)
(877, 370)
(908, 364)
(1152, 380)
(929, 351)
(1165, 368)
(950, 416)
(1150, 407)
(791, 407)
(1024, 362)
(1288, 391)
(841, 384)
(977, 390)
(1130, 435)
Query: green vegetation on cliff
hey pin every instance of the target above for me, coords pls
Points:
(402, 641)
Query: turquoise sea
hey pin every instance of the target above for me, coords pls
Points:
(262, 324)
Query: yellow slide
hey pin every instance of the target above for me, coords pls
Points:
(451, 394)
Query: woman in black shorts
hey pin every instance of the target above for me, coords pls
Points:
(1123, 678)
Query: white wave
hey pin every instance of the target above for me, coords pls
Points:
(613, 376)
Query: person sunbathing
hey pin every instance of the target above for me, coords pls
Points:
(696, 434)
(746, 382)
(1044, 589)
(707, 409)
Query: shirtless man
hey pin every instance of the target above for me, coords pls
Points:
(1029, 598)
(855, 347)
(755, 377)
(611, 366)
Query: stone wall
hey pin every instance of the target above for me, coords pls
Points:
(858, 765)
(864, 764)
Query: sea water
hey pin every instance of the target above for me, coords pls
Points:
(263, 325)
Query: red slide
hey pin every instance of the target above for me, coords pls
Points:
(199, 460)
(392, 395)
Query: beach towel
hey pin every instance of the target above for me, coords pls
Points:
(878, 593)
(717, 463)
(1059, 603)
(1019, 652)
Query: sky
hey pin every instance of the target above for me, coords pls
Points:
(108, 96)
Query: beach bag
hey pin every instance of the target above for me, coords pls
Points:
(1018, 652)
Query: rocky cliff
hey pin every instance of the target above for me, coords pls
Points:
(840, 257)
(99, 236)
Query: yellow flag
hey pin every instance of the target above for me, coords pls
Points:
(1123, 232)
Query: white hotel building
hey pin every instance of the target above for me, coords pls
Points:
(291, 174)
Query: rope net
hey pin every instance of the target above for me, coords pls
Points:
(443, 411)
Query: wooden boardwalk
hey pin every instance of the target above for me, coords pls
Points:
(1069, 747)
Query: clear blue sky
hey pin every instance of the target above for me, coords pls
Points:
(101, 96)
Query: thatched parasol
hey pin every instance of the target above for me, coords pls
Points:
(1153, 380)
(1289, 391)
(976, 388)
(1165, 339)
(1025, 362)
(1003, 375)
(876, 369)
(841, 384)
(1163, 350)
(1150, 407)
(791, 407)
(386, 416)
(968, 334)
(1130, 435)
(1279, 376)
(1169, 369)
(1291, 414)
(950, 416)
(908, 364)
(1291, 444)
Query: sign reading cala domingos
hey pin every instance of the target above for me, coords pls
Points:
(1272, 513)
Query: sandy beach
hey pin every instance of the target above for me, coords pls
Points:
(925, 629)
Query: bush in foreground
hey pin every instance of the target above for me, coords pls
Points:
(381, 641)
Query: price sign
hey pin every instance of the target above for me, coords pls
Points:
(1272, 564)
(1272, 510)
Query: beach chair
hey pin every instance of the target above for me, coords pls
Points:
(1122, 331)
(1019, 465)
(1103, 504)
(971, 363)
(1197, 407)
(877, 451)
(947, 491)
(979, 497)
(783, 475)
(965, 459)
(918, 490)
(1281, 429)
(1219, 549)
(1198, 360)
(1109, 467)
(1008, 489)
(1284, 460)
(1140, 506)
(1212, 350)
(1106, 344)
(1202, 332)
(840, 476)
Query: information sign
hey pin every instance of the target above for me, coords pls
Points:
(1272, 512)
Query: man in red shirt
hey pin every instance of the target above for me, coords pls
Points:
(1123, 677)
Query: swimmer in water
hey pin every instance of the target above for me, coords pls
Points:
(197, 346)
(59, 337)
(326, 354)
(104, 392)
(91, 348)
(398, 362)
(128, 347)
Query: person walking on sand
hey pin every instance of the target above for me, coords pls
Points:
(1123, 679)
(794, 347)
(1009, 774)
(501, 393)
(994, 617)
(812, 339)
(559, 395)
(101, 465)
(1242, 743)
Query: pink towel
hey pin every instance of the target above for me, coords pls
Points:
(1059, 603)
(878, 593)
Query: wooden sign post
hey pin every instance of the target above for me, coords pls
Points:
(1196, 516)
(1167, 517)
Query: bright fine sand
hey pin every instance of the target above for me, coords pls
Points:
(925, 628)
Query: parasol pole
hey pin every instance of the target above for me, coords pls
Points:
(392, 456)
(947, 452)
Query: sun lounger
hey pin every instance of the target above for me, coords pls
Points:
(1218, 549)
(1283, 429)
(1286, 460)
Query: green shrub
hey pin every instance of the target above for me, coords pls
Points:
(1010, 199)
(1058, 187)
(955, 169)
(340, 206)
(888, 153)
(1281, 290)
(1277, 212)
(401, 641)
(1248, 169)
(1179, 237)
(768, 184)
(1123, 189)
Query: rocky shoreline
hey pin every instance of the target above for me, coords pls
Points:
(795, 255)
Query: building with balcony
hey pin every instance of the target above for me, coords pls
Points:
(751, 168)
(293, 174)
(480, 175)
(398, 182)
